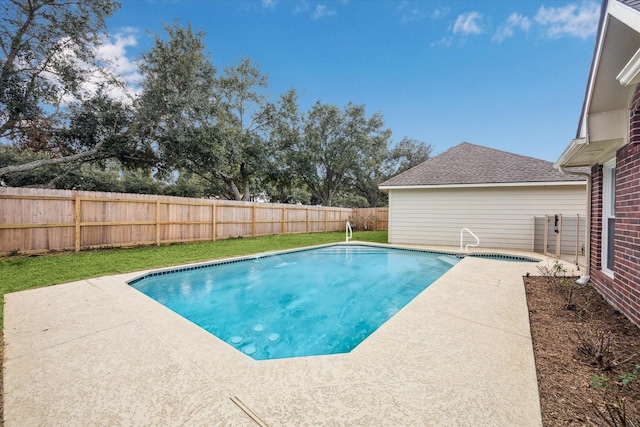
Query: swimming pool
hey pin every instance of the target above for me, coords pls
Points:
(307, 302)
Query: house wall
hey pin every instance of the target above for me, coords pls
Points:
(502, 217)
(623, 290)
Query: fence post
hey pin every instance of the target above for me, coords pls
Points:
(307, 211)
(545, 243)
(253, 221)
(213, 222)
(283, 227)
(577, 237)
(76, 220)
(559, 237)
(325, 219)
(157, 222)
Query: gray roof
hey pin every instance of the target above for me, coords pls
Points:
(632, 3)
(474, 164)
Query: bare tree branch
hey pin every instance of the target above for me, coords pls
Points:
(84, 156)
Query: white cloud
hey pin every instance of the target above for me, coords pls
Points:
(439, 13)
(113, 65)
(468, 23)
(515, 21)
(321, 11)
(502, 34)
(112, 52)
(413, 11)
(302, 6)
(269, 4)
(574, 20)
(443, 42)
(519, 21)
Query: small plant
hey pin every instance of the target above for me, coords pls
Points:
(567, 287)
(597, 346)
(556, 275)
(553, 272)
(598, 381)
(363, 223)
(615, 414)
(615, 407)
(629, 377)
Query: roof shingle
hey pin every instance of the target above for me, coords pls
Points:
(632, 3)
(474, 164)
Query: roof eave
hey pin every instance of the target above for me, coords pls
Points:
(570, 153)
(630, 74)
(603, 126)
(483, 185)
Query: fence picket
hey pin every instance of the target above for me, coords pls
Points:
(41, 220)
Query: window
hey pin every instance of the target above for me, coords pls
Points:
(608, 215)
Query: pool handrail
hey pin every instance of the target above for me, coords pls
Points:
(466, 248)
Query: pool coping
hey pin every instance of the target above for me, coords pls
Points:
(99, 350)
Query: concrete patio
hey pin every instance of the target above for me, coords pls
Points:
(98, 352)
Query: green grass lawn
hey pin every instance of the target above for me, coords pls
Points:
(21, 273)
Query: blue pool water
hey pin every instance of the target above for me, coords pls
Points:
(311, 302)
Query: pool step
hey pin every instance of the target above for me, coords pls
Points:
(449, 259)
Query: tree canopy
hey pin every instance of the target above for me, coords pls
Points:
(43, 44)
(331, 145)
(49, 96)
(194, 129)
(214, 126)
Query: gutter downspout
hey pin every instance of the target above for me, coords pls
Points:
(587, 249)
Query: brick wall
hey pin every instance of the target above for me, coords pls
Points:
(627, 249)
(623, 291)
(602, 282)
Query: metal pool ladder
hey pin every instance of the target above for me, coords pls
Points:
(348, 232)
(466, 248)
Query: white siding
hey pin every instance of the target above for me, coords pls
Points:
(502, 217)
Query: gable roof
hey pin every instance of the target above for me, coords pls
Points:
(603, 125)
(469, 164)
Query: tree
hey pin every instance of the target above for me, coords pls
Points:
(385, 164)
(96, 130)
(189, 185)
(176, 112)
(278, 180)
(215, 127)
(368, 175)
(247, 119)
(407, 154)
(104, 124)
(48, 53)
(331, 145)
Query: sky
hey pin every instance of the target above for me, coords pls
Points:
(509, 75)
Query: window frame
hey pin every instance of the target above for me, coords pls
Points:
(608, 217)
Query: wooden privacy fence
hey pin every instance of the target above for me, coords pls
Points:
(370, 219)
(39, 220)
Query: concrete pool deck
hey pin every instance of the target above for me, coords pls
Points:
(98, 352)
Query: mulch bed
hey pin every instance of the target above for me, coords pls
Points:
(566, 333)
